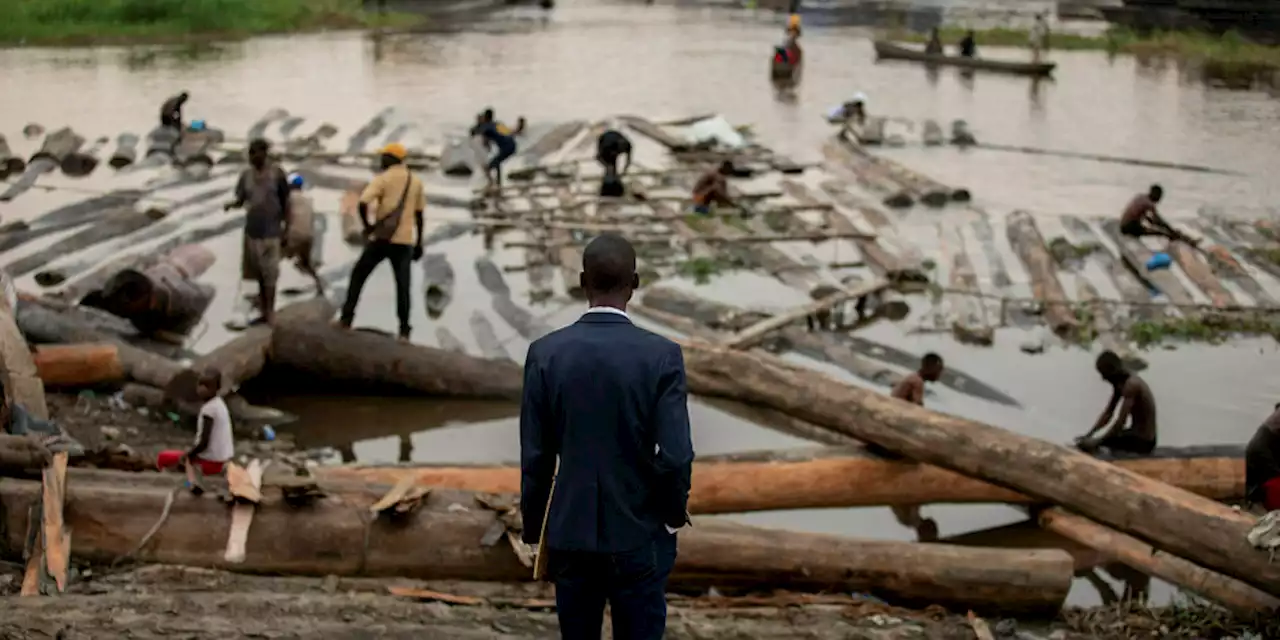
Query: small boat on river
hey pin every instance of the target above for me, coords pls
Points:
(890, 51)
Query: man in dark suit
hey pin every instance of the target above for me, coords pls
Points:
(610, 400)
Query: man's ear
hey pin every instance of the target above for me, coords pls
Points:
(635, 281)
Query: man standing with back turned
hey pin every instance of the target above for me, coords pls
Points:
(610, 400)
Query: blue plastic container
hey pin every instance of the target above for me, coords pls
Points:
(1159, 261)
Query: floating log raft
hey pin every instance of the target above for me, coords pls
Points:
(1137, 254)
(1180, 522)
(9, 163)
(114, 225)
(995, 262)
(162, 297)
(330, 537)
(438, 276)
(55, 148)
(1131, 289)
(1031, 249)
(969, 322)
(890, 256)
(868, 175)
(831, 477)
(820, 345)
(78, 365)
(160, 144)
(1201, 274)
(82, 163)
(1110, 333)
(365, 359)
(1240, 598)
(126, 152)
(922, 188)
(527, 163)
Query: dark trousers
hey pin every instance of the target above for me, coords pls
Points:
(633, 583)
(401, 257)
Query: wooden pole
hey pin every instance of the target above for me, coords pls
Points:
(1031, 249)
(1233, 594)
(749, 336)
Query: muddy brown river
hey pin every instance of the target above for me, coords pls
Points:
(589, 60)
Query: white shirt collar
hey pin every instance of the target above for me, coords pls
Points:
(608, 310)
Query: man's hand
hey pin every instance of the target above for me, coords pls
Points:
(417, 253)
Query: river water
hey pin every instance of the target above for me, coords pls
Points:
(589, 60)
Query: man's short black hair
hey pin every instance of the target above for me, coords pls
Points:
(931, 360)
(487, 114)
(608, 264)
(1109, 362)
(1155, 192)
(259, 145)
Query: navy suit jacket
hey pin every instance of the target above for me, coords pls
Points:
(609, 399)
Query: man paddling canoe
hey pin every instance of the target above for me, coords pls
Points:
(1134, 428)
(1262, 464)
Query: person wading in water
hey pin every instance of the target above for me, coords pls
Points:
(911, 389)
(392, 235)
(263, 188)
(1137, 408)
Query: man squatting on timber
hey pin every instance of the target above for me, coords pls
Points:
(264, 190)
(1140, 218)
(392, 235)
(610, 400)
(911, 389)
(1137, 408)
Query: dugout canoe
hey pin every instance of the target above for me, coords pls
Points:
(890, 51)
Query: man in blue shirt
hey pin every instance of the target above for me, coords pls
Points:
(497, 135)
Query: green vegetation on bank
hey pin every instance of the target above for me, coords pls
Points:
(1229, 48)
(50, 22)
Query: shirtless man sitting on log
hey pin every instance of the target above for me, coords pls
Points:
(1140, 218)
(1137, 408)
(911, 389)
(713, 188)
(1262, 464)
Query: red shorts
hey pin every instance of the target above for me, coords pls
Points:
(173, 459)
(1271, 494)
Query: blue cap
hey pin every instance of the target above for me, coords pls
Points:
(197, 125)
(295, 180)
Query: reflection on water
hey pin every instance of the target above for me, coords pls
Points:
(576, 63)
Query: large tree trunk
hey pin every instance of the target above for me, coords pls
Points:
(1031, 249)
(832, 478)
(1201, 274)
(1237, 596)
(79, 365)
(1175, 520)
(163, 296)
(335, 536)
(375, 361)
(9, 163)
(126, 151)
(1134, 252)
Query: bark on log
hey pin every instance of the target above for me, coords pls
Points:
(1236, 596)
(9, 163)
(98, 278)
(20, 455)
(833, 477)
(126, 152)
(1131, 289)
(1031, 249)
(656, 133)
(1187, 525)
(529, 161)
(162, 297)
(969, 322)
(333, 537)
(1201, 274)
(114, 225)
(79, 365)
(57, 146)
(43, 323)
(1137, 254)
(362, 358)
(22, 381)
(867, 174)
(1235, 273)
(194, 147)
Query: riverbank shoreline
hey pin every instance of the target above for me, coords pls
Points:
(1229, 49)
(76, 23)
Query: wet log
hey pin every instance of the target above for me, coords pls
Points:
(1236, 596)
(750, 335)
(932, 135)
(290, 125)
(460, 158)
(109, 518)
(920, 187)
(160, 144)
(1034, 253)
(259, 128)
(9, 163)
(114, 225)
(97, 279)
(889, 255)
(161, 297)
(82, 163)
(1201, 274)
(1110, 333)
(78, 365)
(867, 174)
(530, 160)
(438, 277)
(126, 152)
(1235, 273)
(995, 262)
(56, 146)
(656, 133)
(194, 148)
(371, 360)
(1131, 289)
(1203, 531)
(1136, 254)
(360, 139)
(820, 345)
(244, 357)
(969, 321)
(831, 477)
(21, 454)
(314, 142)
(42, 322)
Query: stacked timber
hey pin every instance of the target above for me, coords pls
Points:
(336, 535)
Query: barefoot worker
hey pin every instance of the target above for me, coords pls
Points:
(911, 389)
(1140, 218)
(1262, 464)
(1134, 427)
(497, 135)
(712, 189)
(264, 190)
(301, 236)
(393, 236)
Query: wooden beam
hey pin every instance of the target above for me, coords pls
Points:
(749, 336)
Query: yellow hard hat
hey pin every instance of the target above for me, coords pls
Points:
(395, 150)
(794, 20)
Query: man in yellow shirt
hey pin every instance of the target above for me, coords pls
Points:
(392, 234)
